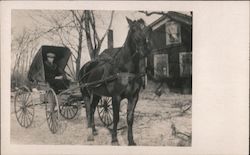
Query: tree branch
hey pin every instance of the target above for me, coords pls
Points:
(110, 24)
(153, 12)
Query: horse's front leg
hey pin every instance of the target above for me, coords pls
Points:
(93, 108)
(132, 101)
(88, 102)
(116, 108)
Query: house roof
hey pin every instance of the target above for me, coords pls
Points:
(175, 16)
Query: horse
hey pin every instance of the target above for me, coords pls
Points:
(120, 76)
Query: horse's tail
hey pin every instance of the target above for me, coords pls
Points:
(82, 78)
(83, 75)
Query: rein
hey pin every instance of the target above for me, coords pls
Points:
(107, 62)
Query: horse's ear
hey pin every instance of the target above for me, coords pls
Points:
(129, 21)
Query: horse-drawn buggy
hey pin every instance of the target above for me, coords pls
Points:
(117, 73)
(65, 102)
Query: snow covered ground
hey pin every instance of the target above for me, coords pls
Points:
(158, 121)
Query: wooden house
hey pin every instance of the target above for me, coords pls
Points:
(171, 58)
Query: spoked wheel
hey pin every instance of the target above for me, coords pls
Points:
(51, 108)
(68, 110)
(105, 111)
(24, 108)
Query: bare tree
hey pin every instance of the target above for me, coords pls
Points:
(94, 42)
(71, 29)
(23, 47)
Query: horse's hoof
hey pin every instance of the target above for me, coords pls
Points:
(132, 144)
(115, 143)
(90, 138)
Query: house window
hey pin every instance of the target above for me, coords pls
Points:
(161, 69)
(173, 32)
(185, 64)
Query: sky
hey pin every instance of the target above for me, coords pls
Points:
(22, 19)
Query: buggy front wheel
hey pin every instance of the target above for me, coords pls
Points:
(24, 108)
(68, 110)
(52, 111)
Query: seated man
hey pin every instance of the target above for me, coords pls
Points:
(54, 75)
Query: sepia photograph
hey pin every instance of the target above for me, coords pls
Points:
(94, 77)
(124, 77)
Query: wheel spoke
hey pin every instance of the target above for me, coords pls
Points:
(20, 116)
(109, 100)
(19, 105)
(17, 111)
(67, 111)
(28, 103)
(29, 112)
(103, 114)
(48, 116)
(30, 107)
(30, 120)
(27, 97)
(108, 118)
(22, 120)
(28, 117)
(22, 97)
(104, 118)
(102, 110)
(107, 115)
(71, 112)
(26, 121)
(111, 111)
(111, 115)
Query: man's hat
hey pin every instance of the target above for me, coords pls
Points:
(51, 55)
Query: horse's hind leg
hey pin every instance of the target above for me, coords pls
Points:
(132, 101)
(116, 108)
(93, 108)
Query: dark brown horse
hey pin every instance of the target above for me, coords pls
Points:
(120, 74)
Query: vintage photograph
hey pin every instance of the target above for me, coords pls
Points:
(95, 77)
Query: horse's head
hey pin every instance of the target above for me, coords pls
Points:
(140, 35)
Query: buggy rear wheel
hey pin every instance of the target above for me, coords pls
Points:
(105, 111)
(51, 108)
(24, 108)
